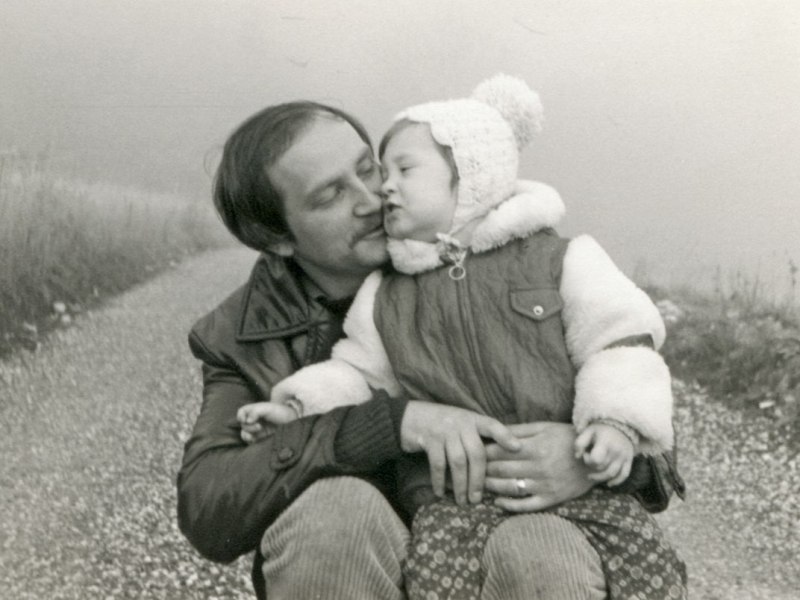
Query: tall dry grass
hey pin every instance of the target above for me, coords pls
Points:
(66, 242)
(740, 340)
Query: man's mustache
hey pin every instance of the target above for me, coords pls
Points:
(370, 227)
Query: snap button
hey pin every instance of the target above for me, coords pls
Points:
(285, 453)
(538, 310)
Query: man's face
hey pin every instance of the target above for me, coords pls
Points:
(329, 182)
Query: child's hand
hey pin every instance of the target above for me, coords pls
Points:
(607, 451)
(259, 419)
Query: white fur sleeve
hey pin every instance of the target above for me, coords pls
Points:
(357, 362)
(363, 347)
(629, 384)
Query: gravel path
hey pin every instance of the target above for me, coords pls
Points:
(91, 433)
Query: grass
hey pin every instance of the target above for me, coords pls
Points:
(739, 342)
(68, 243)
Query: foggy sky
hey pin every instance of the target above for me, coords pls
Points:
(672, 127)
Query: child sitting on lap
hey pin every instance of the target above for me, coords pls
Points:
(490, 310)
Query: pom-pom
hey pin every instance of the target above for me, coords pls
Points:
(516, 102)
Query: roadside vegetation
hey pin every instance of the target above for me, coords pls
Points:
(67, 244)
(739, 342)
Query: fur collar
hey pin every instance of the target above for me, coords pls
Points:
(533, 206)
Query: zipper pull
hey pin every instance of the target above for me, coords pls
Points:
(451, 251)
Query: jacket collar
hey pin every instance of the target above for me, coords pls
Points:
(278, 301)
(533, 207)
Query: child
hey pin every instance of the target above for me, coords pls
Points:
(493, 312)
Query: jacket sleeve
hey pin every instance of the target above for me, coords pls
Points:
(358, 362)
(653, 480)
(628, 384)
(230, 492)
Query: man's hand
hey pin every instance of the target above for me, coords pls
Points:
(451, 437)
(546, 465)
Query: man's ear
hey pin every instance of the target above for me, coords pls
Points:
(284, 248)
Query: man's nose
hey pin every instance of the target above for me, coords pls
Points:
(368, 200)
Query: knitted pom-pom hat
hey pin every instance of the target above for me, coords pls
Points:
(485, 133)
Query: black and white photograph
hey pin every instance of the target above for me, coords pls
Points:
(404, 300)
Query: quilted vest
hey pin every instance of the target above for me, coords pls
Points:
(492, 342)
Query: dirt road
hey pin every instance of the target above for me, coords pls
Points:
(91, 433)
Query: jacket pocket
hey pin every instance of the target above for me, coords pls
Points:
(537, 304)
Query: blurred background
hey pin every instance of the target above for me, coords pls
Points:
(672, 132)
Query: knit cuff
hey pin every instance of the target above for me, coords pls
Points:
(626, 430)
(369, 433)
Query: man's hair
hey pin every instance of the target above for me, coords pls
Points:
(248, 203)
(445, 151)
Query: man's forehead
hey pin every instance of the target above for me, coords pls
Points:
(324, 150)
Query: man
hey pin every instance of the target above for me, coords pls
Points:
(316, 497)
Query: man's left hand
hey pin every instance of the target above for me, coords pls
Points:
(544, 473)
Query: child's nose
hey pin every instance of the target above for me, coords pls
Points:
(388, 187)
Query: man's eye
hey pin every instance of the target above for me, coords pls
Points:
(327, 196)
(367, 170)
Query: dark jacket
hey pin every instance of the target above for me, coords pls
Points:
(228, 492)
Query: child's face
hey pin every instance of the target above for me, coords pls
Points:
(419, 200)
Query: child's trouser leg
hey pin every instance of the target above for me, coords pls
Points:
(340, 539)
(638, 563)
(445, 557)
(602, 543)
(481, 551)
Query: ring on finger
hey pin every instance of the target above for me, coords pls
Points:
(521, 487)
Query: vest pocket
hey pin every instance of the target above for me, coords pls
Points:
(537, 304)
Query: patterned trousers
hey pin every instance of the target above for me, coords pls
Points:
(448, 541)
